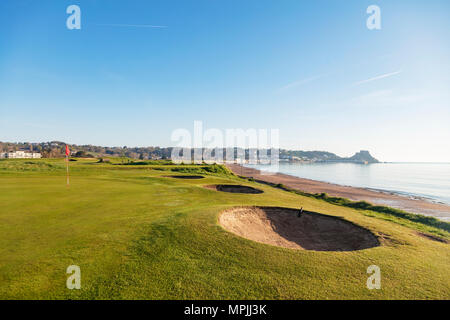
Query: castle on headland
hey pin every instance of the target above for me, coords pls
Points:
(20, 155)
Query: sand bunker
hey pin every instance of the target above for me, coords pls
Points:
(282, 227)
(185, 177)
(234, 188)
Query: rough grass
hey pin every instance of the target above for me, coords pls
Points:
(138, 235)
(422, 222)
(214, 169)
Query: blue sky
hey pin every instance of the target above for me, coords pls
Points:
(309, 68)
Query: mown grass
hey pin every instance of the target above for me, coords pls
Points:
(138, 235)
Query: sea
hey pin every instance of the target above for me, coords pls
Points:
(430, 181)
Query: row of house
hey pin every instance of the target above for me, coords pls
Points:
(20, 155)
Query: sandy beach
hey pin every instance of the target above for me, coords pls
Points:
(414, 205)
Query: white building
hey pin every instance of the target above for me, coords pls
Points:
(20, 155)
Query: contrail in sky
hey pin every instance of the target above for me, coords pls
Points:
(377, 78)
(131, 25)
(299, 83)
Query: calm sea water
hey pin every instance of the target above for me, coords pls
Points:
(427, 180)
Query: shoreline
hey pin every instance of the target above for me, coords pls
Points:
(378, 197)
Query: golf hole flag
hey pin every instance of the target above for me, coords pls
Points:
(67, 162)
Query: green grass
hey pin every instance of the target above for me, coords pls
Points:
(425, 223)
(138, 235)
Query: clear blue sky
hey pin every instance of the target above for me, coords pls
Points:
(310, 68)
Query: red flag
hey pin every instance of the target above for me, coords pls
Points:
(67, 150)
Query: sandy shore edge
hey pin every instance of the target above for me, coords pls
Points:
(413, 205)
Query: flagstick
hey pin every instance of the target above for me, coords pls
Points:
(67, 166)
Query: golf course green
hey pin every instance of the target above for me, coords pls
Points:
(136, 232)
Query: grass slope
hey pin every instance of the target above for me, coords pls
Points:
(138, 235)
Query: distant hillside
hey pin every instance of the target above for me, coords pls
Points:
(322, 156)
(363, 156)
(309, 155)
(56, 149)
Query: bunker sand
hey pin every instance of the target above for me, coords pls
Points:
(185, 177)
(234, 188)
(283, 228)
